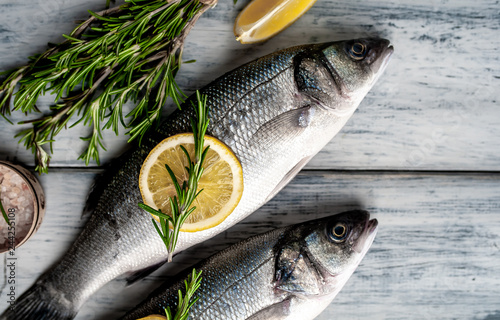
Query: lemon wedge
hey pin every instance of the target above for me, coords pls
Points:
(221, 181)
(154, 317)
(262, 19)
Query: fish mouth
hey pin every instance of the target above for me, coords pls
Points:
(383, 51)
(365, 240)
(371, 226)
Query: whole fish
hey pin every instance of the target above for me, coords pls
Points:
(288, 273)
(275, 113)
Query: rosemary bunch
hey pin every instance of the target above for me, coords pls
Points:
(130, 52)
(181, 204)
(185, 303)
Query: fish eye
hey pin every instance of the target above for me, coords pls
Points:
(357, 51)
(338, 233)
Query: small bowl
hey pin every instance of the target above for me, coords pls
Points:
(21, 194)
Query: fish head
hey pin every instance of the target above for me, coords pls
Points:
(338, 75)
(338, 243)
(330, 80)
(317, 258)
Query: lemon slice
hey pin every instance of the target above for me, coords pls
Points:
(262, 19)
(154, 317)
(221, 181)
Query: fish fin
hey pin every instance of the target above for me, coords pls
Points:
(277, 311)
(40, 303)
(288, 177)
(142, 273)
(286, 126)
(294, 271)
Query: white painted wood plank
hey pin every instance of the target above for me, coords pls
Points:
(435, 108)
(436, 255)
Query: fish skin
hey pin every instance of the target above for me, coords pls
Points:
(287, 273)
(275, 113)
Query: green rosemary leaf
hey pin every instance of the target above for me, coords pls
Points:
(3, 210)
(163, 223)
(174, 180)
(184, 303)
(125, 52)
(153, 211)
(174, 206)
(99, 17)
(159, 231)
(6, 119)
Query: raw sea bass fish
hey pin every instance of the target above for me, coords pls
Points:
(275, 113)
(287, 273)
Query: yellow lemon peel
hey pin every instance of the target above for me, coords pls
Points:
(262, 19)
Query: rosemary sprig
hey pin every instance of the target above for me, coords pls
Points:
(4, 214)
(185, 303)
(181, 204)
(130, 52)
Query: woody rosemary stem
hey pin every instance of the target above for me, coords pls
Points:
(127, 53)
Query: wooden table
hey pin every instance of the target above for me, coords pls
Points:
(422, 153)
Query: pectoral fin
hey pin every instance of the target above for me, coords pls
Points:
(285, 127)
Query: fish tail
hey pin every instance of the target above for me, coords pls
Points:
(39, 303)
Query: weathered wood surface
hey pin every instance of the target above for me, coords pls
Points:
(437, 252)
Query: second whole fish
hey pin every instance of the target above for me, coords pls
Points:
(290, 273)
(275, 113)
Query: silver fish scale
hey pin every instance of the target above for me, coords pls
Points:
(249, 290)
(228, 90)
(225, 92)
(249, 114)
(243, 273)
(230, 87)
